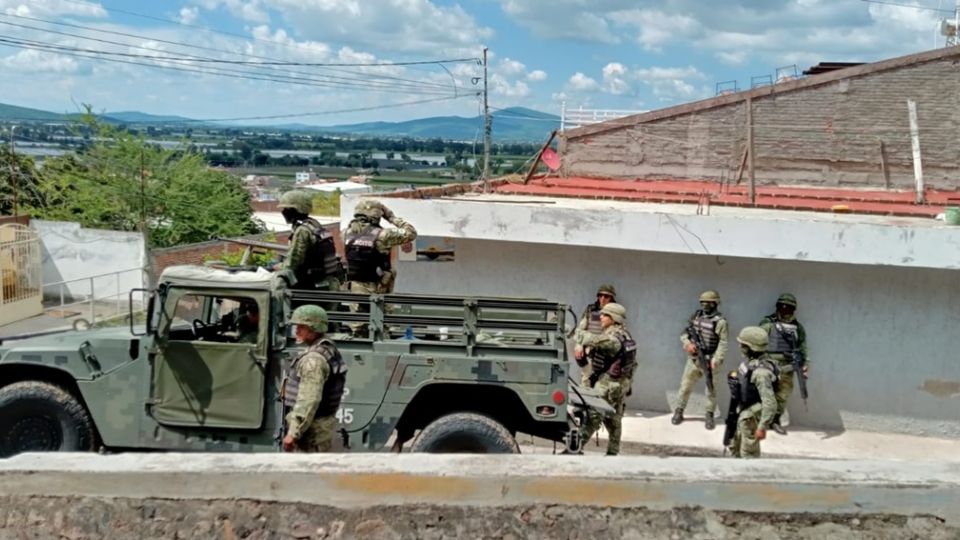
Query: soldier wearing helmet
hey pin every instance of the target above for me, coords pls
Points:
(313, 385)
(753, 401)
(368, 247)
(711, 328)
(590, 325)
(613, 358)
(784, 329)
(312, 254)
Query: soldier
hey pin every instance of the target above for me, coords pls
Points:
(313, 385)
(784, 329)
(248, 325)
(613, 357)
(753, 387)
(711, 328)
(312, 255)
(368, 247)
(590, 325)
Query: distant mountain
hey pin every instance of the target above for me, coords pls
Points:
(511, 124)
(144, 118)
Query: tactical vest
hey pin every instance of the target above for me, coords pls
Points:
(593, 319)
(706, 326)
(749, 394)
(781, 334)
(622, 363)
(332, 388)
(321, 261)
(365, 263)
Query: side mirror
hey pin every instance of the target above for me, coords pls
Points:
(148, 322)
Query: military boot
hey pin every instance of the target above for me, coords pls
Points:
(776, 426)
(677, 417)
(708, 421)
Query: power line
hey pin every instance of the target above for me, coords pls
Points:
(203, 58)
(222, 51)
(888, 3)
(371, 85)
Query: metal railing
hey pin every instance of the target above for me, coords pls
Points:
(92, 299)
(579, 117)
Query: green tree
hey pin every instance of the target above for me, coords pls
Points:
(19, 182)
(122, 183)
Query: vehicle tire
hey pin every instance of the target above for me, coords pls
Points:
(465, 433)
(42, 417)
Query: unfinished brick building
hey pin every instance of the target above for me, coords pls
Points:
(848, 127)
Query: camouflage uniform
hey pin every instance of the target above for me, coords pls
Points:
(317, 380)
(311, 255)
(713, 333)
(589, 325)
(614, 347)
(366, 221)
(247, 331)
(774, 324)
(759, 415)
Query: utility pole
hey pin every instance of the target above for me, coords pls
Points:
(143, 199)
(487, 126)
(14, 173)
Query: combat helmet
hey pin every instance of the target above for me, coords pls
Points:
(313, 317)
(710, 296)
(370, 209)
(616, 312)
(607, 288)
(301, 201)
(787, 299)
(754, 337)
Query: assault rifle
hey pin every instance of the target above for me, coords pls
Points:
(694, 335)
(733, 414)
(798, 360)
(251, 244)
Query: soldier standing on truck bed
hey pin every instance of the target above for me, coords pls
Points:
(368, 247)
(312, 256)
(711, 332)
(313, 385)
(613, 357)
(590, 325)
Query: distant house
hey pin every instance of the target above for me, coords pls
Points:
(306, 176)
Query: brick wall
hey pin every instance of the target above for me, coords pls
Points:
(804, 132)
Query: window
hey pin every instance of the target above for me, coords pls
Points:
(223, 319)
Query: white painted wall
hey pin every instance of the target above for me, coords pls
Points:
(882, 339)
(71, 252)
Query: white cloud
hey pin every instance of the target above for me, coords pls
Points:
(36, 8)
(501, 86)
(33, 61)
(734, 58)
(615, 79)
(672, 83)
(581, 83)
(511, 68)
(253, 11)
(188, 15)
(655, 28)
(537, 75)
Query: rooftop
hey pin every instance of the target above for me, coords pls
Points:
(706, 194)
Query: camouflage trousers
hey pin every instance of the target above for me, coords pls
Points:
(319, 436)
(785, 387)
(691, 374)
(745, 442)
(383, 287)
(585, 372)
(613, 391)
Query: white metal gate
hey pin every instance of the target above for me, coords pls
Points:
(21, 293)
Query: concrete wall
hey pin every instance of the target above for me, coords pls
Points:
(804, 132)
(71, 252)
(375, 496)
(880, 338)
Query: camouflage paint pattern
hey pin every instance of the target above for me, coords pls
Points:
(117, 373)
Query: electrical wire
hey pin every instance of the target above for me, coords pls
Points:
(898, 4)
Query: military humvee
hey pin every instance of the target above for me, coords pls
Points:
(463, 374)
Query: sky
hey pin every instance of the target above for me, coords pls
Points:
(198, 58)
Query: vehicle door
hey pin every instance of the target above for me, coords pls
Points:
(209, 369)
